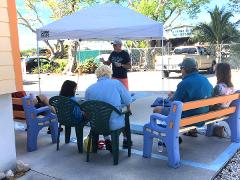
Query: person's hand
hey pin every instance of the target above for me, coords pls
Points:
(129, 110)
(170, 95)
(117, 64)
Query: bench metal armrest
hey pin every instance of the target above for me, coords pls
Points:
(153, 128)
(43, 109)
(156, 116)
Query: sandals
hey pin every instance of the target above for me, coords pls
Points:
(192, 133)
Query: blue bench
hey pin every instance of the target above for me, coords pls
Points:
(35, 122)
(175, 124)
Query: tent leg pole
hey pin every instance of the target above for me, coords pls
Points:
(162, 67)
(78, 68)
(39, 76)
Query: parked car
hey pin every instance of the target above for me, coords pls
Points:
(171, 63)
(32, 63)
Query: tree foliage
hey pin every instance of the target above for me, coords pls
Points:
(219, 30)
(62, 8)
(34, 17)
(167, 11)
(234, 6)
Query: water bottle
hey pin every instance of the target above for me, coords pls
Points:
(160, 146)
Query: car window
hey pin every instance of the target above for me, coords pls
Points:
(185, 51)
(43, 60)
(34, 60)
(177, 51)
(192, 51)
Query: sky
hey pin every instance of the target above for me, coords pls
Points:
(27, 39)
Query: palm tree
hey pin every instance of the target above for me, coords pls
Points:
(219, 30)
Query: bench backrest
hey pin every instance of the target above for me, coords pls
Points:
(235, 98)
(18, 113)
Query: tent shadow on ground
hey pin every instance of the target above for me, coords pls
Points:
(30, 82)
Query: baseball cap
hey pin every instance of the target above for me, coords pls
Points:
(188, 64)
(117, 41)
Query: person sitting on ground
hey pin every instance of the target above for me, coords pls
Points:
(113, 92)
(68, 89)
(193, 86)
(223, 87)
(39, 101)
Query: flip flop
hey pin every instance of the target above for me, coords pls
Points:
(192, 134)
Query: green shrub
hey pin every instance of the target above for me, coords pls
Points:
(59, 66)
(62, 64)
(89, 66)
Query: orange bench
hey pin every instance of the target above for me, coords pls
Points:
(174, 124)
(18, 114)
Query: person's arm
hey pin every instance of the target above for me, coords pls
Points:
(124, 94)
(126, 62)
(179, 94)
(106, 62)
(218, 90)
(87, 95)
(171, 95)
(126, 66)
(76, 110)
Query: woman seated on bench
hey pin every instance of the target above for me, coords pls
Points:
(224, 87)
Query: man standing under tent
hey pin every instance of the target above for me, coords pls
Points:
(120, 61)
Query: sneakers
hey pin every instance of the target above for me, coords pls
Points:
(125, 144)
(180, 140)
(108, 145)
(218, 131)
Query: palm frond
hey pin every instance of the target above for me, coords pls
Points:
(219, 29)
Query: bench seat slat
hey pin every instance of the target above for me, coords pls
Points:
(211, 101)
(19, 114)
(208, 116)
(17, 101)
(185, 129)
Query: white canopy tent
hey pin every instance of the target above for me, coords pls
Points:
(102, 22)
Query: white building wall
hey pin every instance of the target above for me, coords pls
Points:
(7, 134)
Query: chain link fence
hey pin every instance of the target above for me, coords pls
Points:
(144, 59)
(230, 53)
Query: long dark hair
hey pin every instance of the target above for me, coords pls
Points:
(223, 73)
(68, 88)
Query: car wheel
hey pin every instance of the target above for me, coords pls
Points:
(30, 71)
(166, 74)
(211, 70)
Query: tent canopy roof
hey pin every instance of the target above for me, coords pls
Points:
(102, 22)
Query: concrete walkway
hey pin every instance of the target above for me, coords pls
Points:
(201, 157)
(67, 163)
